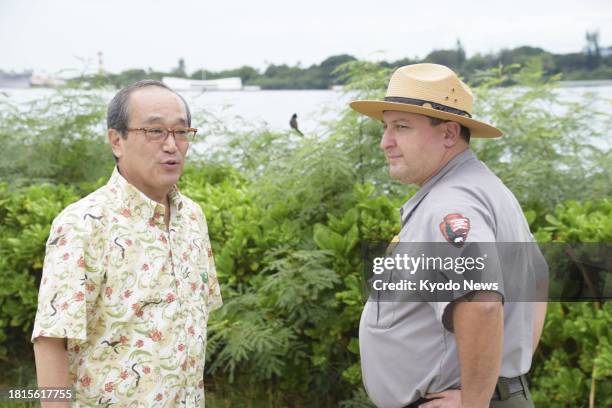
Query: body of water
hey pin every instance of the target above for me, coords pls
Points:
(244, 109)
(239, 110)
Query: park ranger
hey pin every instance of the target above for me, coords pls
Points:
(468, 351)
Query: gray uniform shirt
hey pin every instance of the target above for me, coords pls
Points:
(407, 349)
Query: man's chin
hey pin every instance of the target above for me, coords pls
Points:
(400, 175)
(395, 171)
(167, 180)
(174, 173)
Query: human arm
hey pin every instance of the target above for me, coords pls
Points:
(539, 315)
(70, 281)
(541, 275)
(52, 366)
(478, 326)
(476, 318)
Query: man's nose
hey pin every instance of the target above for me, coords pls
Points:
(169, 144)
(387, 139)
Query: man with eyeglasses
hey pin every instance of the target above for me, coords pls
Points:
(129, 279)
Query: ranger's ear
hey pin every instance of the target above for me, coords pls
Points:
(452, 133)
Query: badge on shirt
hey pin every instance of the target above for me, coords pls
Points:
(455, 228)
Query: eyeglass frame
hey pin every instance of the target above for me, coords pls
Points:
(168, 131)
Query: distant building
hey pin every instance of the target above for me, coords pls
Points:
(15, 80)
(222, 84)
(606, 52)
(46, 81)
(29, 79)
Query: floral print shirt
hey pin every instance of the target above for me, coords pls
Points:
(131, 296)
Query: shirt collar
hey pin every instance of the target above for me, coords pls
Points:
(137, 203)
(416, 199)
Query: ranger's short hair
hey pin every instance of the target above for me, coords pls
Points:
(465, 132)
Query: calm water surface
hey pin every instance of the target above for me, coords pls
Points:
(241, 110)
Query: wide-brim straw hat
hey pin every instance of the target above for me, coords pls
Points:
(432, 90)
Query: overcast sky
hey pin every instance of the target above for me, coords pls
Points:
(55, 35)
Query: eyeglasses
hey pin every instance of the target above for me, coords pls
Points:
(158, 134)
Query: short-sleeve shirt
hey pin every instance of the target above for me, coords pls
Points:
(131, 296)
(407, 348)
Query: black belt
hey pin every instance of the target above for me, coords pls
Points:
(504, 388)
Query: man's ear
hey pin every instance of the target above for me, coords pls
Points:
(452, 133)
(115, 139)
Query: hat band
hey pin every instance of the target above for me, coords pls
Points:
(421, 102)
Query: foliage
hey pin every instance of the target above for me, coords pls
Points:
(545, 157)
(590, 64)
(54, 139)
(341, 158)
(292, 274)
(576, 342)
(25, 220)
(292, 305)
(576, 347)
(549, 152)
(316, 76)
(579, 222)
(287, 215)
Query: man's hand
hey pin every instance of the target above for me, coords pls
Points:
(444, 399)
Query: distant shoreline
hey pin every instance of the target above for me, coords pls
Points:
(585, 83)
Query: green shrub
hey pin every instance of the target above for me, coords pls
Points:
(574, 359)
(286, 216)
(25, 220)
(58, 139)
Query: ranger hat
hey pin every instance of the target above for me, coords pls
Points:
(432, 90)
